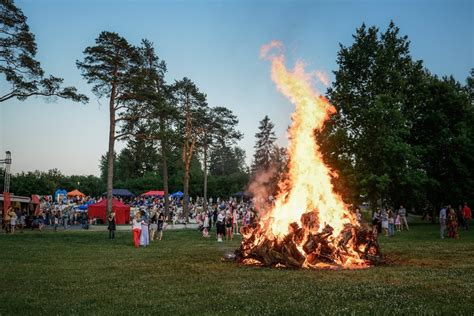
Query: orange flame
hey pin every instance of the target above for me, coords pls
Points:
(309, 185)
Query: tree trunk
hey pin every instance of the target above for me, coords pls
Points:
(110, 154)
(205, 179)
(165, 177)
(186, 192)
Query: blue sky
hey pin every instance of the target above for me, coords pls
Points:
(216, 44)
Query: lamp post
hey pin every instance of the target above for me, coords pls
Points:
(6, 186)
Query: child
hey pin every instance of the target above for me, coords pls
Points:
(398, 223)
(391, 223)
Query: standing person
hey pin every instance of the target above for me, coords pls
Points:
(144, 234)
(398, 223)
(56, 221)
(214, 216)
(161, 221)
(65, 219)
(452, 224)
(391, 223)
(205, 226)
(153, 226)
(228, 226)
(111, 226)
(22, 220)
(13, 218)
(358, 215)
(376, 223)
(467, 215)
(235, 221)
(136, 227)
(442, 222)
(384, 219)
(403, 217)
(220, 226)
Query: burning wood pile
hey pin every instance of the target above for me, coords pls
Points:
(355, 247)
(308, 225)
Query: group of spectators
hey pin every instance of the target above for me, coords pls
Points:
(225, 218)
(451, 220)
(388, 220)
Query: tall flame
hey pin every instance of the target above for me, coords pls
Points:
(309, 225)
(309, 184)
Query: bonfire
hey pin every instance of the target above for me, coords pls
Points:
(308, 224)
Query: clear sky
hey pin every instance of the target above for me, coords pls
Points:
(216, 44)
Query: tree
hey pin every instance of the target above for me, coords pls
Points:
(155, 113)
(193, 107)
(111, 67)
(376, 93)
(219, 130)
(264, 146)
(18, 64)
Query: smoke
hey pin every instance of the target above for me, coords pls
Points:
(262, 188)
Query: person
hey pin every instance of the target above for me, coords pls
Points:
(22, 220)
(384, 219)
(376, 223)
(205, 226)
(65, 219)
(56, 221)
(467, 215)
(153, 227)
(111, 227)
(220, 226)
(235, 222)
(452, 224)
(161, 221)
(144, 234)
(228, 226)
(358, 215)
(442, 222)
(391, 223)
(13, 217)
(398, 223)
(403, 217)
(136, 227)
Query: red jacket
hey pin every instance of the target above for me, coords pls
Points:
(467, 212)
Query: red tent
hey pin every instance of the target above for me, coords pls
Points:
(99, 210)
(154, 193)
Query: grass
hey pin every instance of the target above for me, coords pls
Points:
(81, 272)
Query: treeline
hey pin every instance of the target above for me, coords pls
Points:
(401, 135)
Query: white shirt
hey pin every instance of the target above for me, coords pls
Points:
(136, 224)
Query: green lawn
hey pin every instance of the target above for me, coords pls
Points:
(85, 273)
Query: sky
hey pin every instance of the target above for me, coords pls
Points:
(216, 44)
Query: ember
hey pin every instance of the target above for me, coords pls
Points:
(309, 226)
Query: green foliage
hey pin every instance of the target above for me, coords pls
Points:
(46, 183)
(264, 146)
(18, 64)
(394, 125)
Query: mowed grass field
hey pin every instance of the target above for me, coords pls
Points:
(81, 272)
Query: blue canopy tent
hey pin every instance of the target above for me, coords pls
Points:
(60, 193)
(121, 193)
(177, 194)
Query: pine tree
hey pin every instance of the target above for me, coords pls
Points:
(264, 146)
(18, 64)
(111, 66)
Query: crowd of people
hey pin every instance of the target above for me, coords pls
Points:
(388, 221)
(451, 221)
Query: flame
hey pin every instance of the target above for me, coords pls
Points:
(310, 188)
(309, 225)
